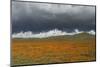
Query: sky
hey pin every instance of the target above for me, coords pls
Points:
(41, 17)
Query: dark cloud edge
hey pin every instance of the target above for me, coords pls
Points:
(54, 3)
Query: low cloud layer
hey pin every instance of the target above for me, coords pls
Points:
(51, 33)
(42, 17)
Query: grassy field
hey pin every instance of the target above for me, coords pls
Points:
(58, 49)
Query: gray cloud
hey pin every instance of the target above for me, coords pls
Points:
(38, 17)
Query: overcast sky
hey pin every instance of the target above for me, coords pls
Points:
(37, 17)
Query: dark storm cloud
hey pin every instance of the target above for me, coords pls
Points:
(37, 17)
